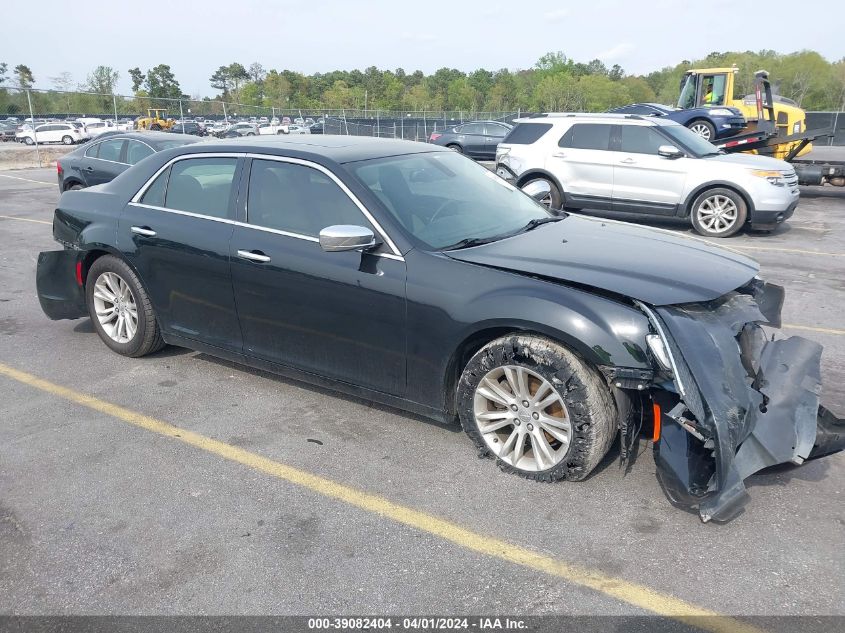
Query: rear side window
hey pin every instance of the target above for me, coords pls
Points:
(154, 195)
(638, 139)
(110, 150)
(527, 133)
(586, 136)
(472, 128)
(201, 185)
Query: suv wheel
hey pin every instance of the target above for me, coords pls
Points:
(537, 408)
(545, 192)
(718, 213)
(704, 129)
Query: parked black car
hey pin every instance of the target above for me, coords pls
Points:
(710, 122)
(410, 275)
(189, 127)
(110, 154)
(477, 139)
(7, 131)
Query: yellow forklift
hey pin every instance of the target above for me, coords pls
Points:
(777, 125)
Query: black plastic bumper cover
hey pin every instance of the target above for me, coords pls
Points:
(60, 295)
(751, 402)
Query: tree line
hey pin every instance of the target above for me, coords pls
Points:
(554, 83)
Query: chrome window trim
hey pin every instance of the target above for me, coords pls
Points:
(298, 236)
(137, 197)
(339, 183)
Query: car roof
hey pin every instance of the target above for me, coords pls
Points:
(596, 117)
(341, 149)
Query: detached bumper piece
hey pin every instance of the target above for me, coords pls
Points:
(745, 402)
(59, 290)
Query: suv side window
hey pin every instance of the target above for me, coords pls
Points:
(298, 199)
(202, 185)
(587, 136)
(639, 139)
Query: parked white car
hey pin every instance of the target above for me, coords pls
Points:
(65, 133)
(98, 127)
(298, 129)
(645, 166)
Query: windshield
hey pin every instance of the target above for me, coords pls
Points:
(444, 199)
(687, 98)
(690, 141)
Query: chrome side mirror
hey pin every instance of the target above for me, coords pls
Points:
(669, 151)
(346, 237)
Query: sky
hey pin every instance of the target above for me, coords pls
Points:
(195, 38)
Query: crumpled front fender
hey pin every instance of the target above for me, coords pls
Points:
(746, 402)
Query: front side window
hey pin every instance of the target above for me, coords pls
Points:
(638, 139)
(202, 185)
(442, 198)
(298, 199)
(137, 151)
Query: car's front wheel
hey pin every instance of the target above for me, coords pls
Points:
(537, 408)
(121, 309)
(703, 128)
(67, 140)
(718, 213)
(29, 140)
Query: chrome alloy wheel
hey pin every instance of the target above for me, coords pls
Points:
(717, 213)
(522, 418)
(701, 129)
(115, 306)
(540, 190)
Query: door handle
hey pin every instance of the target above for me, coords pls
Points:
(89, 169)
(254, 256)
(143, 230)
(627, 161)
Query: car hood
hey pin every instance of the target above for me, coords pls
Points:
(650, 265)
(752, 161)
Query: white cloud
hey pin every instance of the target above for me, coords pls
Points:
(615, 52)
(419, 37)
(556, 16)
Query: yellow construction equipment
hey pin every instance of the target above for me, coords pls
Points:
(156, 119)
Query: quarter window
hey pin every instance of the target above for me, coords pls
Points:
(586, 136)
(472, 128)
(298, 199)
(638, 139)
(202, 185)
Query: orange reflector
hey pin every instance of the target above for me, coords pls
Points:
(656, 435)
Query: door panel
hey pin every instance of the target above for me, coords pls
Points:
(642, 180)
(339, 315)
(583, 164)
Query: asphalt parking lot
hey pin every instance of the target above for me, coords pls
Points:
(324, 504)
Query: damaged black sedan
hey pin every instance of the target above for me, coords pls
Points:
(407, 274)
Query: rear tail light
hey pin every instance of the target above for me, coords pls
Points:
(59, 169)
(79, 272)
(434, 136)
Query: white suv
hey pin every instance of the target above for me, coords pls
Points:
(647, 166)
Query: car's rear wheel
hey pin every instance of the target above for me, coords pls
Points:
(120, 308)
(29, 140)
(703, 128)
(74, 187)
(537, 408)
(456, 148)
(67, 140)
(545, 192)
(718, 213)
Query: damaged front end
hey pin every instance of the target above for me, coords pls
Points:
(734, 401)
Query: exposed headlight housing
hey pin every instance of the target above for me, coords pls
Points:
(774, 177)
(721, 112)
(658, 349)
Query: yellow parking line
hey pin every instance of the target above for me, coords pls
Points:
(782, 250)
(809, 328)
(634, 594)
(38, 182)
(12, 217)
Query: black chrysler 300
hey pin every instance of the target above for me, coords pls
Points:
(410, 275)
